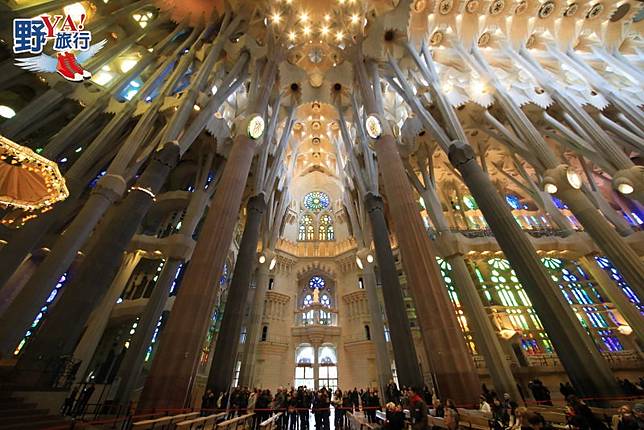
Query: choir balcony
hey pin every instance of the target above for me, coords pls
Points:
(316, 314)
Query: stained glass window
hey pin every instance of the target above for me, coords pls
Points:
(42, 313)
(316, 201)
(317, 282)
(470, 203)
(325, 231)
(308, 300)
(617, 277)
(501, 287)
(513, 201)
(581, 293)
(325, 300)
(446, 272)
(306, 229)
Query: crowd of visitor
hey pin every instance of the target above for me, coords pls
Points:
(410, 406)
(295, 405)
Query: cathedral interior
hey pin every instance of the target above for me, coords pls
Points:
(329, 193)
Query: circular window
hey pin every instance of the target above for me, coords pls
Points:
(317, 282)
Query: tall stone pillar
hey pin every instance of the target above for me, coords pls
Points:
(451, 362)
(132, 363)
(63, 328)
(19, 314)
(130, 369)
(592, 379)
(247, 371)
(17, 281)
(100, 317)
(483, 331)
(173, 369)
(383, 365)
(402, 342)
(227, 344)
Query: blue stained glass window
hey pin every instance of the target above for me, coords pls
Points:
(224, 275)
(317, 282)
(612, 271)
(588, 307)
(513, 201)
(559, 203)
(316, 201)
(42, 313)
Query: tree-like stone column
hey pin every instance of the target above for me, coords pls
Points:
(173, 368)
(247, 370)
(227, 343)
(64, 326)
(451, 362)
(407, 368)
(584, 364)
(19, 314)
(383, 365)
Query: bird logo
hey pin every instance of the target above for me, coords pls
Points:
(66, 64)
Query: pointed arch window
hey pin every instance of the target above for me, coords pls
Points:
(306, 228)
(326, 231)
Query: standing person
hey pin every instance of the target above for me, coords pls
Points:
(207, 402)
(364, 401)
(316, 410)
(355, 399)
(346, 405)
(291, 408)
(252, 400)
(374, 404)
(324, 406)
(338, 418)
(417, 409)
(392, 394)
(303, 407)
(451, 415)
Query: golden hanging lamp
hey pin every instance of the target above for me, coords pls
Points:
(28, 181)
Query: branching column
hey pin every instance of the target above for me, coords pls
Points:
(227, 344)
(485, 337)
(64, 326)
(383, 365)
(407, 368)
(573, 345)
(450, 360)
(132, 363)
(173, 368)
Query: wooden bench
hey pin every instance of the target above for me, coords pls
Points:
(163, 422)
(270, 423)
(210, 421)
(357, 422)
(473, 419)
(244, 421)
